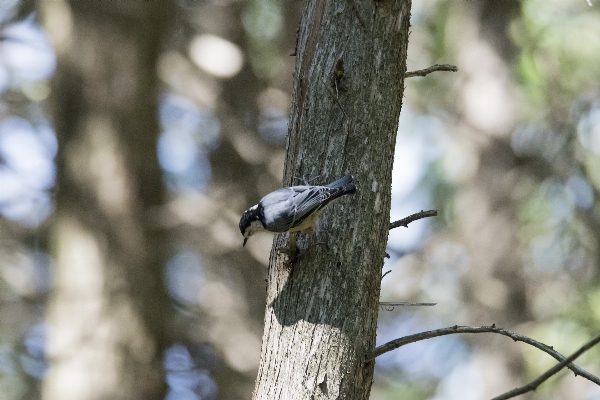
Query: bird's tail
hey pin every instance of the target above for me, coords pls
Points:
(345, 184)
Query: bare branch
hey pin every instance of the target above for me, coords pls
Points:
(389, 305)
(383, 276)
(539, 380)
(420, 215)
(433, 68)
(394, 344)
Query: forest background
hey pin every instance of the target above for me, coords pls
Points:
(180, 124)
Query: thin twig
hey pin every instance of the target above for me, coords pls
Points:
(360, 18)
(334, 97)
(394, 344)
(420, 215)
(383, 276)
(433, 68)
(540, 379)
(389, 305)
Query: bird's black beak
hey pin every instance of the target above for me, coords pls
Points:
(245, 240)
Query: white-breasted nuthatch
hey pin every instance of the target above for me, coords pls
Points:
(293, 209)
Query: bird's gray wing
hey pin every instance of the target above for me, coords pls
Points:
(279, 208)
(287, 208)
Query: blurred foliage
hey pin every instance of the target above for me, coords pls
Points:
(263, 22)
(508, 149)
(544, 166)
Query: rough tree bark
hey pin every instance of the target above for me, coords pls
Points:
(108, 308)
(321, 312)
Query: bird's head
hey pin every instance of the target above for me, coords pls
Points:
(250, 222)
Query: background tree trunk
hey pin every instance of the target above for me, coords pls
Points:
(321, 312)
(109, 306)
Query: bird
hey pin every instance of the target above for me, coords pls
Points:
(294, 208)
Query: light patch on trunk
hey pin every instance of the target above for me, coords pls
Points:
(377, 207)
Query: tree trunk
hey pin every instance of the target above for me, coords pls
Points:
(321, 313)
(108, 308)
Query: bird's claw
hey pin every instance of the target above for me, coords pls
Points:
(291, 250)
(306, 181)
(292, 253)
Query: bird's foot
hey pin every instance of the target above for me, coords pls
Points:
(291, 250)
(292, 253)
(306, 181)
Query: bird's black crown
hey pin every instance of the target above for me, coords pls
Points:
(250, 215)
